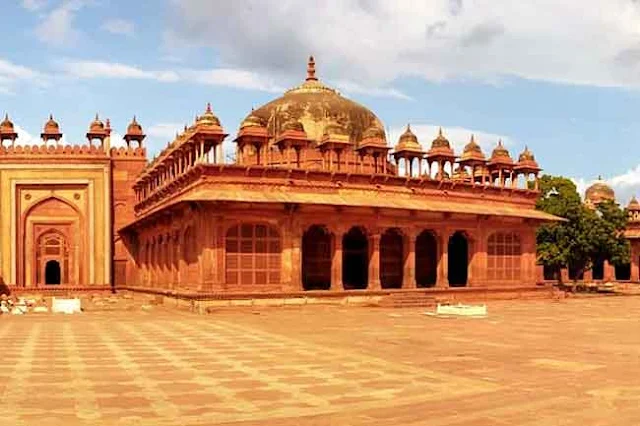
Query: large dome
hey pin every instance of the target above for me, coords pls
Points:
(599, 191)
(317, 107)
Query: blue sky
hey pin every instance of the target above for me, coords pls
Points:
(554, 75)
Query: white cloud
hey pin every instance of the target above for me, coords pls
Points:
(349, 87)
(117, 141)
(164, 131)
(119, 26)
(458, 137)
(235, 78)
(34, 5)
(380, 41)
(11, 75)
(56, 27)
(232, 78)
(98, 69)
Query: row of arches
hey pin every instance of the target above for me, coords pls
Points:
(317, 254)
(252, 258)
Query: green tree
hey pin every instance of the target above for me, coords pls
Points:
(586, 236)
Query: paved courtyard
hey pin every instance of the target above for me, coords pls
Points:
(572, 362)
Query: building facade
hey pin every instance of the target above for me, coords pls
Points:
(315, 200)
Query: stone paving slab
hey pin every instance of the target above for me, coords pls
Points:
(573, 362)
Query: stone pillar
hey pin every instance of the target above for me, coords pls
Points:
(609, 271)
(409, 272)
(635, 273)
(295, 284)
(442, 280)
(207, 256)
(374, 261)
(336, 261)
(588, 275)
(564, 274)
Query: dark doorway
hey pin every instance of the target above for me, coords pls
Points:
(391, 259)
(316, 259)
(623, 272)
(426, 259)
(551, 272)
(458, 260)
(597, 270)
(355, 260)
(52, 272)
(574, 273)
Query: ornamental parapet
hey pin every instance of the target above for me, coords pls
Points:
(58, 150)
(213, 182)
(128, 152)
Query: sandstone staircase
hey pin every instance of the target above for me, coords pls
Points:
(411, 299)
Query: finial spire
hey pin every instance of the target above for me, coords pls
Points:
(473, 138)
(599, 177)
(408, 127)
(6, 116)
(440, 131)
(135, 120)
(97, 117)
(209, 107)
(50, 116)
(311, 69)
(500, 142)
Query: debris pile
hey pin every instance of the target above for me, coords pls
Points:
(21, 305)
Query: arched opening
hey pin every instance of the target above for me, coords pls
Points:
(355, 259)
(316, 259)
(426, 259)
(458, 260)
(597, 270)
(575, 273)
(52, 257)
(391, 259)
(252, 255)
(551, 272)
(52, 272)
(623, 272)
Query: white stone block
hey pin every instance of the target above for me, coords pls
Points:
(462, 310)
(66, 306)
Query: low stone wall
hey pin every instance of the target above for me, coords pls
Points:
(205, 302)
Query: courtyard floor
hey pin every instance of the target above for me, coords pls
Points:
(569, 362)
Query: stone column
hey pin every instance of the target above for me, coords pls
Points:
(374, 261)
(635, 273)
(295, 283)
(409, 272)
(588, 275)
(336, 261)
(207, 256)
(609, 271)
(442, 280)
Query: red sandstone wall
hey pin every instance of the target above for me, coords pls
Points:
(126, 165)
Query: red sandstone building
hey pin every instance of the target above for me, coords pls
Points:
(316, 199)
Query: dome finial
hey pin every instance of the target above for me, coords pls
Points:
(408, 127)
(311, 69)
(599, 177)
(50, 116)
(209, 107)
(473, 138)
(97, 118)
(440, 131)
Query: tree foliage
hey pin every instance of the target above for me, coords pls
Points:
(587, 236)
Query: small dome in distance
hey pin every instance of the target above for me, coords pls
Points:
(408, 141)
(599, 192)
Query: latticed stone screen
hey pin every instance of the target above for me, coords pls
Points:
(253, 255)
(503, 256)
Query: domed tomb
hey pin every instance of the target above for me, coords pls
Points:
(599, 192)
(317, 107)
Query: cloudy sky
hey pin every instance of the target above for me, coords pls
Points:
(556, 75)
